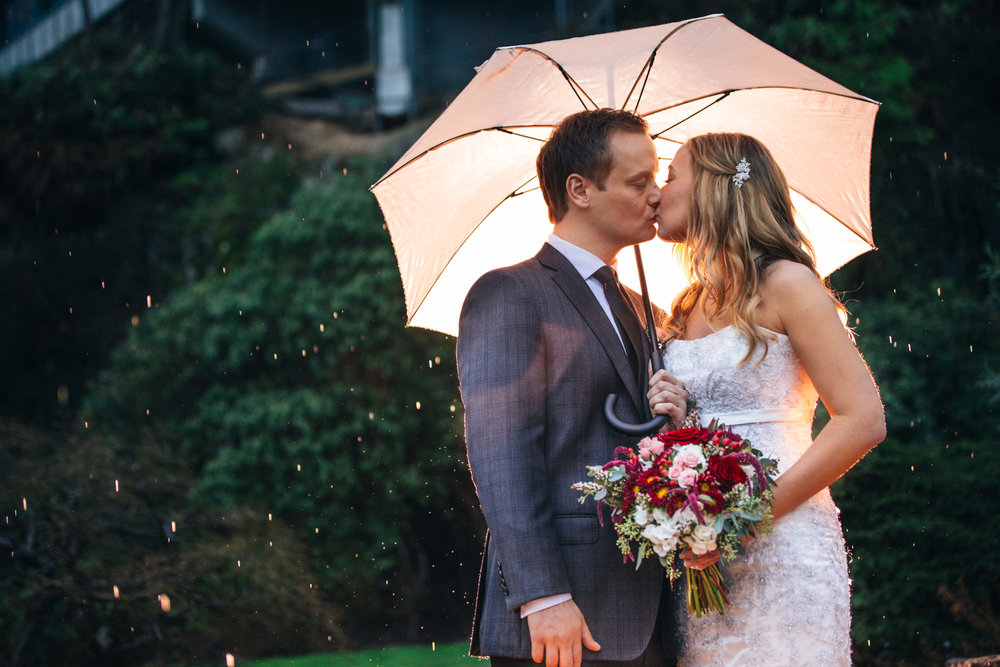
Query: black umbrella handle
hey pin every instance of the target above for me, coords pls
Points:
(656, 359)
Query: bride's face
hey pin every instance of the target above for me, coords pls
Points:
(675, 194)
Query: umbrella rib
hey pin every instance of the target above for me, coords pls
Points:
(518, 134)
(577, 88)
(648, 67)
(823, 208)
(684, 120)
(645, 80)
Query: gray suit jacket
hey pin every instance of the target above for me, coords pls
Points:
(536, 357)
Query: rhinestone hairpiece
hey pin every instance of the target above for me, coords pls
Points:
(742, 172)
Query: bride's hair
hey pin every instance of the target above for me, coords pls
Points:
(736, 228)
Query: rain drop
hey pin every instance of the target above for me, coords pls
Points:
(164, 602)
(24, 504)
(114, 591)
(149, 301)
(230, 660)
(116, 486)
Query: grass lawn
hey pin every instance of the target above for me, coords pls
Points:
(441, 655)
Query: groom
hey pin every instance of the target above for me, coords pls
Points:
(540, 346)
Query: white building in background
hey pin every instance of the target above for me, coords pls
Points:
(377, 59)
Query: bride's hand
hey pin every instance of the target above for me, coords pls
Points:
(667, 396)
(708, 558)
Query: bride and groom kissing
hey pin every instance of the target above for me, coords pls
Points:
(756, 337)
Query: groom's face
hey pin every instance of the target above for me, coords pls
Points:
(624, 210)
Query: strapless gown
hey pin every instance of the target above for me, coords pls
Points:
(790, 591)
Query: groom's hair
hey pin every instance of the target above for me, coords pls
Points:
(580, 144)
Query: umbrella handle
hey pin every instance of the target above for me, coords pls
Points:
(656, 359)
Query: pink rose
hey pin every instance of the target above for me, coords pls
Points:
(687, 478)
(675, 471)
(650, 447)
(689, 458)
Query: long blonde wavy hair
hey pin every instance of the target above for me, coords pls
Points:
(734, 234)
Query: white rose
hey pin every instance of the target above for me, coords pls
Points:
(701, 540)
(662, 537)
(640, 515)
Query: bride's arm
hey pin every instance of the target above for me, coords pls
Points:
(857, 420)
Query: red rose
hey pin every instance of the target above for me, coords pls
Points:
(727, 471)
(683, 436)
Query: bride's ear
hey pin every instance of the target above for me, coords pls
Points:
(578, 191)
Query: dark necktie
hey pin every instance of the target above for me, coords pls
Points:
(625, 317)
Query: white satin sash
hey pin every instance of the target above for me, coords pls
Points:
(760, 416)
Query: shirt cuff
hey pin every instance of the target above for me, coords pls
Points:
(544, 603)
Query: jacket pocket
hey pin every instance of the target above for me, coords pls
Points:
(576, 528)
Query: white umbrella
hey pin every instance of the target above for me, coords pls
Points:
(464, 198)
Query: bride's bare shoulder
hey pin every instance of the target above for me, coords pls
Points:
(786, 289)
(785, 278)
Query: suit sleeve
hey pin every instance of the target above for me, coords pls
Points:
(502, 371)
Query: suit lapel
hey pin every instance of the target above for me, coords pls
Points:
(569, 280)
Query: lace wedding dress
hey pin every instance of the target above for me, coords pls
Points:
(790, 592)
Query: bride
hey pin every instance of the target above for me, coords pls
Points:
(756, 338)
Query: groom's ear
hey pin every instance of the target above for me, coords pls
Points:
(578, 191)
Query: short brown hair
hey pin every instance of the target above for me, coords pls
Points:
(580, 144)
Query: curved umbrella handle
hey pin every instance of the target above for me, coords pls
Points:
(638, 430)
(656, 359)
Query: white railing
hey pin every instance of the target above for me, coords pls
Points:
(60, 25)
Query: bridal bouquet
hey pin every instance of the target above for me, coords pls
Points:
(700, 489)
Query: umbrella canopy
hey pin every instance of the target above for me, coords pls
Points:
(464, 198)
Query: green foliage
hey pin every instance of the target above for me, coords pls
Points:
(289, 384)
(110, 564)
(923, 534)
(87, 157)
(918, 509)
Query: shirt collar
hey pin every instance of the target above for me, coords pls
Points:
(583, 261)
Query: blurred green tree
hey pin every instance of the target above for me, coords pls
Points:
(88, 154)
(288, 384)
